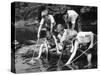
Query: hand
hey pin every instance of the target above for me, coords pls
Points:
(67, 63)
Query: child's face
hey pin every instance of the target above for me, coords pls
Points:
(45, 13)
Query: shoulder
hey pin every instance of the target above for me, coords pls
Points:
(51, 16)
(72, 12)
(85, 33)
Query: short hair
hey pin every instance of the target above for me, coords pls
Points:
(45, 12)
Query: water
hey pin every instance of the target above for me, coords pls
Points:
(24, 55)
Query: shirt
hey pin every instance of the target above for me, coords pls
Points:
(50, 17)
(72, 16)
(84, 37)
(68, 34)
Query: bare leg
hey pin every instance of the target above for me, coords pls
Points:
(46, 50)
(89, 56)
(40, 52)
(58, 52)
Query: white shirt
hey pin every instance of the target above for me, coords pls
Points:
(68, 34)
(72, 15)
(49, 17)
(84, 37)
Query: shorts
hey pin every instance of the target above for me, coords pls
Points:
(85, 47)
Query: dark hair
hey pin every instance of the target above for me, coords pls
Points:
(65, 12)
(41, 8)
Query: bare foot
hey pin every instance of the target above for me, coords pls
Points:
(88, 66)
(68, 63)
(75, 66)
(69, 66)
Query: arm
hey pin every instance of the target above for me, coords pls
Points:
(73, 22)
(39, 31)
(74, 19)
(74, 52)
(41, 23)
(72, 48)
(52, 22)
(92, 38)
(73, 26)
(55, 40)
(51, 27)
